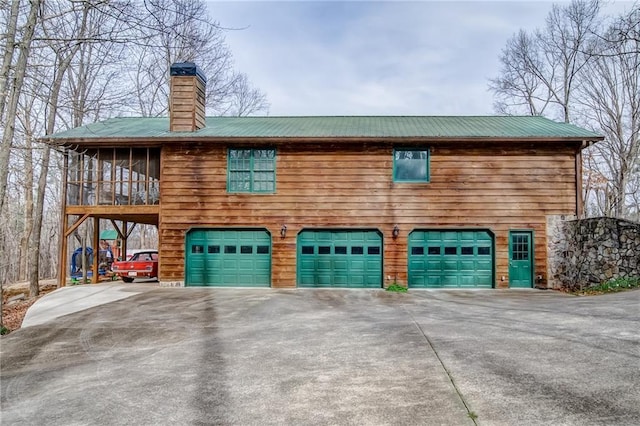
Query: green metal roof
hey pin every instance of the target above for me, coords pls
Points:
(146, 128)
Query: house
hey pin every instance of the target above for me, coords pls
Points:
(327, 201)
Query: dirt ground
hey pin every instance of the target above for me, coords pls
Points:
(13, 312)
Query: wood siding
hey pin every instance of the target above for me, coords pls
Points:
(187, 110)
(494, 187)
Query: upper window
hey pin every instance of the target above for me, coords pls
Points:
(410, 165)
(251, 170)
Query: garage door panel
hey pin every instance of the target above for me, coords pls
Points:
(306, 279)
(323, 280)
(431, 265)
(245, 264)
(307, 264)
(228, 257)
(437, 281)
(357, 265)
(323, 264)
(467, 265)
(262, 264)
(484, 280)
(341, 264)
(450, 265)
(450, 258)
(417, 266)
(373, 265)
(342, 258)
(483, 264)
(341, 280)
(230, 264)
(449, 280)
(213, 264)
(371, 281)
(468, 281)
(450, 237)
(357, 281)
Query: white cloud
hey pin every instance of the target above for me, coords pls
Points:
(374, 58)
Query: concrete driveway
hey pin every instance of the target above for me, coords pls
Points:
(362, 357)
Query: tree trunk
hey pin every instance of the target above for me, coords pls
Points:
(13, 97)
(9, 48)
(28, 208)
(34, 259)
(64, 61)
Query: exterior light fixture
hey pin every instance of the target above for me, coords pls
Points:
(395, 232)
(283, 231)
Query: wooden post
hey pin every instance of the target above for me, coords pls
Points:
(96, 250)
(64, 247)
(125, 230)
(64, 220)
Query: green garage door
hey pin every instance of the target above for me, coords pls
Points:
(450, 258)
(228, 257)
(340, 259)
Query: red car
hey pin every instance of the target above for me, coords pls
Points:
(143, 264)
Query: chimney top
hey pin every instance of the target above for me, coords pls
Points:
(187, 69)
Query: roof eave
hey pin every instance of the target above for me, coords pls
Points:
(158, 141)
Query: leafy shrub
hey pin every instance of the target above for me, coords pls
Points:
(397, 288)
(612, 286)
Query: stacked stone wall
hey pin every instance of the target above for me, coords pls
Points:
(588, 252)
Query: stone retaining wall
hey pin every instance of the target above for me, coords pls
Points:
(587, 252)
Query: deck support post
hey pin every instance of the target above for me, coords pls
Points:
(96, 251)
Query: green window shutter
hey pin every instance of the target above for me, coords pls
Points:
(251, 170)
(411, 165)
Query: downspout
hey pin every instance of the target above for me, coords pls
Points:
(578, 166)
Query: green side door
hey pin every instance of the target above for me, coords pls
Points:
(228, 258)
(450, 258)
(339, 258)
(521, 259)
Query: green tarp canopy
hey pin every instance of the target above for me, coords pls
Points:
(109, 234)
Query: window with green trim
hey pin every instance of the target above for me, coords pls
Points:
(251, 170)
(410, 165)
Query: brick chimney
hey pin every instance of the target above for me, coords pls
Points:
(187, 98)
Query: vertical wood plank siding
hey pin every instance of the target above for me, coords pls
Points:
(339, 185)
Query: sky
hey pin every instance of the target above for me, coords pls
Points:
(374, 57)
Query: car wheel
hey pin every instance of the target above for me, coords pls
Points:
(127, 279)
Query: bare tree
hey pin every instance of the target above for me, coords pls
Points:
(576, 71)
(627, 29)
(181, 31)
(11, 82)
(610, 97)
(518, 88)
(540, 70)
(63, 53)
(11, 28)
(246, 99)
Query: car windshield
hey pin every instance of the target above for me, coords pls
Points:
(144, 257)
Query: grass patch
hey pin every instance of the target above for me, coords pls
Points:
(397, 288)
(613, 286)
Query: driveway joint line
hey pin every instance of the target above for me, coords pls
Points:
(444, 367)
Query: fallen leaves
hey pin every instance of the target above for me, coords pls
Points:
(13, 314)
